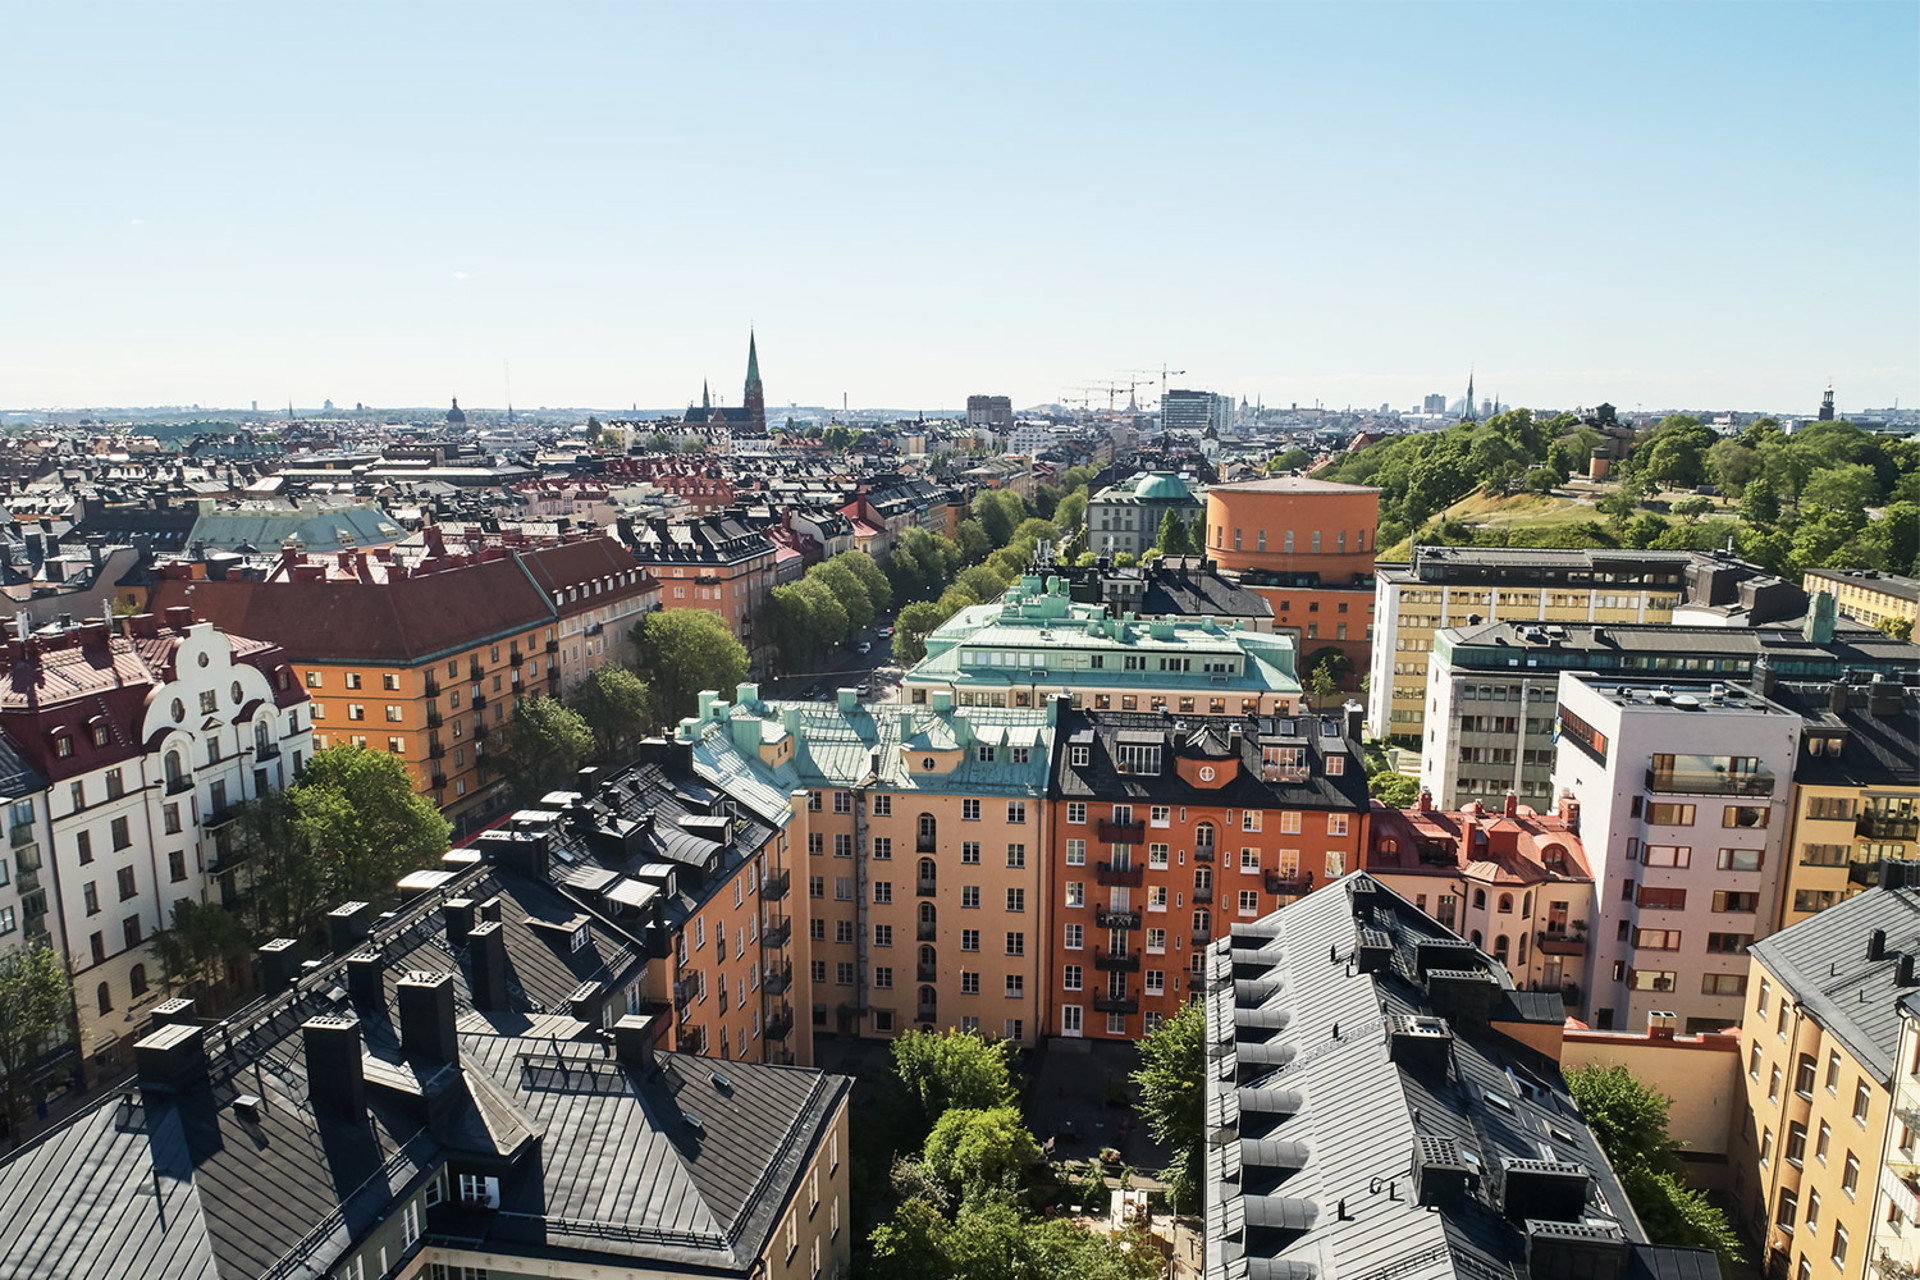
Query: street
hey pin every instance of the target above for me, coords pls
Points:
(845, 667)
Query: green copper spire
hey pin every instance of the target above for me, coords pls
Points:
(706, 397)
(753, 362)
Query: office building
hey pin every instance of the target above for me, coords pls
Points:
(1036, 641)
(1824, 1156)
(1382, 1101)
(1867, 595)
(1166, 830)
(1683, 792)
(1124, 518)
(1195, 411)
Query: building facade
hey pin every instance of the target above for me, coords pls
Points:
(721, 562)
(1124, 518)
(1866, 595)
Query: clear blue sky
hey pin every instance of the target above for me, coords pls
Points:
(1710, 205)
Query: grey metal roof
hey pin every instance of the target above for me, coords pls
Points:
(1821, 963)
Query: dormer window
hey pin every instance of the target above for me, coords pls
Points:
(63, 745)
(582, 937)
(99, 735)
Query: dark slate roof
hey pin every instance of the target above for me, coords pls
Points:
(1299, 1030)
(1190, 593)
(1207, 737)
(1880, 748)
(1822, 963)
(17, 777)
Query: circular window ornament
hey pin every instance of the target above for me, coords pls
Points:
(205, 659)
(927, 763)
(237, 693)
(1206, 773)
(179, 711)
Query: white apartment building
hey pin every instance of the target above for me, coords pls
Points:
(1683, 794)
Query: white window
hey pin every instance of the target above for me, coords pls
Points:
(1336, 824)
(1162, 815)
(1250, 820)
(1249, 902)
(410, 1223)
(1076, 893)
(1076, 935)
(1077, 853)
(1077, 813)
(1156, 980)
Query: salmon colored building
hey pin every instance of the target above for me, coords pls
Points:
(1308, 547)
(1165, 832)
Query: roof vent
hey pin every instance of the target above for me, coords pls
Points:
(248, 1107)
(1588, 1249)
(1374, 950)
(694, 1122)
(1552, 1190)
(1415, 1040)
(1441, 1176)
(720, 1082)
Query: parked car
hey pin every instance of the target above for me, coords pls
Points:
(883, 632)
(866, 646)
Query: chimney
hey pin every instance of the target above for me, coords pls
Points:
(1356, 720)
(427, 1018)
(633, 1036)
(459, 913)
(487, 951)
(347, 926)
(1660, 1024)
(587, 1002)
(1877, 945)
(172, 1059)
(335, 1073)
(1884, 697)
(1512, 807)
(177, 1010)
(1426, 800)
(490, 910)
(365, 984)
(279, 962)
(1909, 974)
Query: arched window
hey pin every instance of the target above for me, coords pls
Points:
(1474, 937)
(1203, 837)
(174, 768)
(928, 828)
(1500, 948)
(262, 735)
(1526, 904)
(1506, 904)
(1479, 899)
(1523, 950)
(928, 1003)
(929, 876)
(137, 980)
(104, 996)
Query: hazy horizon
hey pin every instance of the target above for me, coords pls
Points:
(1696, 205)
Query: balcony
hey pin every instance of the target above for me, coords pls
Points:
(926, 931)
(778, 981)
(1112, 963)
(1115, 1004)
(780, 1025)
(553, 645)
(926, 1013)
(435, 748)
(775, 936)
(515, 656)
(266, 751)
(926, 972)
(1124, 877)
(924, 843)
(1292, 885)
(1123, 832)
(433, 685)
(1203, 853)
(1570, 994)
(1887, 826)
(684, 991)
(925, 888)
(1203, 893)
(775, 886)
(474, 669)
(433, 718)
(1562, 942)
(1105, 918)
(175, 786)
(437, 781)
(1201, 937)
(479, 701)
(1715, 783)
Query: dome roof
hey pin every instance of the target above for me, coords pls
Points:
(1162, 485)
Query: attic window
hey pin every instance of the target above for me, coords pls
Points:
(99, 735)
(582, 937)
(63, 745)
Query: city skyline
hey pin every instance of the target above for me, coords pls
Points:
(911, 205)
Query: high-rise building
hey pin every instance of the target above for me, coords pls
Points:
(1195, 411)
(1435, 403)
(994, 412)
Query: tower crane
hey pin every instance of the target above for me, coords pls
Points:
(1112, 390)
(1164, 379)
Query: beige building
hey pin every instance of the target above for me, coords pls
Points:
(1699, 1074)
(1867, 595)
(1824, 1156)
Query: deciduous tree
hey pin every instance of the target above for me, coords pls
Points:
(542, 744)
(682, 651)
(36, 1015)
(616, 704)
(1172, 1080)
(358, 812)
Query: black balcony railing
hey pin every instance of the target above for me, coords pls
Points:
(434, 720)
(1203, 854)
(474, 669)
(1201, 937)
(435, 748)
(1106, 918)
(926, 1013)
(1686, 782)
(1121, 963)
(780, 1025)
(437, 780)
(1123, 832)
(775, 886)
(778, 980)
(776, 935)
(1203, 893)
(1887, 826)
(266, 750)
(433, 685)
(515, 656)
(553, 645)
(479, 701)
(1125, 877)
(926, 931)
(175, 786)
(924, 844)
(926, 973)
(1291, 885)
(1116, 1004)
(1570, 993)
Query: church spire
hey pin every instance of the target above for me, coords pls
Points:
(755, 400)
(753, 363)
(1469, 415)
(706, 397)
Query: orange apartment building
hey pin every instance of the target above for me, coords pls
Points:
(719, 562)
(1166, 831)
(425, 659)
(1307, 546)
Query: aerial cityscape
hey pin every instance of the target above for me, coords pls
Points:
(965, 643)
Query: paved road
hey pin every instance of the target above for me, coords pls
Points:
(847, 667)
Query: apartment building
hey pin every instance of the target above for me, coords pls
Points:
(1036, 641)
(721, 562)
(1867, 595)
(1381, 1100)
(454, 1092)
(1856, 789)
(1308, 546)
(1684, 794)
(1165, 830)
(24, 916)
(1468, 586)
(147, 739)
(1824, 1161)
(424, 659)
(1513, 882)
(1491, 689)
(926, 837)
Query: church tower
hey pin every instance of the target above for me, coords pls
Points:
(756, 397)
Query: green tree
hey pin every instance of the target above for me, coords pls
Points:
(1071, 514)
(1691, 509)
(358, 812)
(616, 704)
(1172, 1080)
(36, 1014)
(1846, 489)
(1731, 464)
(911, 629)
(849, 589)
(1034, 531)
(975, 546)
(1125, 560)
(1395, 790)
(683, 651)
(1620, 505)
(195, 950)
(289, 887)
(830, 621)
(943, 1070)
(1898, 628)
(991, 1239)
(1323, 684)
(1629, 1120)
(1760, 502)
(787, 620)
(871, 576)
(1173, 538)
(980, 1152)
(999, 512)
(982, 581)
(544, 742)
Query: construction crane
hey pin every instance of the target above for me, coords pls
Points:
(1111, 389)
(1164, 372)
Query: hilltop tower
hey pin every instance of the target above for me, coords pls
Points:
(755, 400)
(1826, 405)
